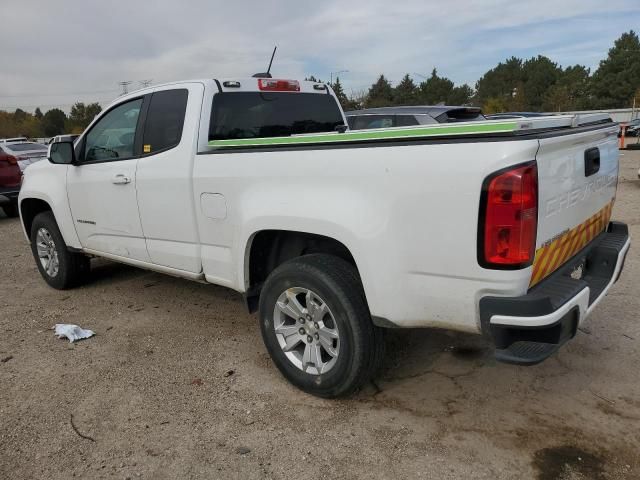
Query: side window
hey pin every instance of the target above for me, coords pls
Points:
(406, 120)
(366, 122)
(425, 119)
(164, 121)
(112, 138)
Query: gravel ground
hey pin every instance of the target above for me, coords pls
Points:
(177, 384)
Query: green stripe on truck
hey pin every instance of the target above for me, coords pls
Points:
(370, 135)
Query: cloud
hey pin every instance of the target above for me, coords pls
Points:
(55, 53)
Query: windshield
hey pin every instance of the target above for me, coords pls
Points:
(24, 147)
(272, 114)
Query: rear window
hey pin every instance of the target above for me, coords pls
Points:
(461, 115)
(272, 114)
(24, 147)
(165, 118)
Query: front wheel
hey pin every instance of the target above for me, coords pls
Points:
(59, 267)
(317, 328)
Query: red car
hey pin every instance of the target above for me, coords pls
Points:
(14, 158)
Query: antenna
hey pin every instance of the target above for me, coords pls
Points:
(271, 61)
(124, 86)
(267, 74)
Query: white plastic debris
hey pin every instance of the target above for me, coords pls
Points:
(72, 332)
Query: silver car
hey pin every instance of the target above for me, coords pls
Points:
(25, 152)
(406, 116)
(71, 137)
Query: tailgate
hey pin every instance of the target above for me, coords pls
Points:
(577, 178)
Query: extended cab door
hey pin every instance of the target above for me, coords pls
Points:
(165, 177)
(102, 185)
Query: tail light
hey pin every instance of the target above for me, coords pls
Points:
(509, 218)
(11, 159)
(275, 85)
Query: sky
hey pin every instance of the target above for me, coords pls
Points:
(55, 53)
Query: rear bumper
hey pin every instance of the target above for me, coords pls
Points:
(528, 329)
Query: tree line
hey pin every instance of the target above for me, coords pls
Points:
(537, 84)
(53, 122)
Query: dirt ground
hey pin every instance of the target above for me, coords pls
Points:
(177, 384)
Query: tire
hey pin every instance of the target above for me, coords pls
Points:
(338, 306)
(11, 211)
(72, 268)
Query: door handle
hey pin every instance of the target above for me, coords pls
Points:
(121, 179)
(591, 161)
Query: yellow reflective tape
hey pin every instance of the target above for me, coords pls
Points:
(537, 261)
(543, 263)
(552, 256)
(563, 251)
(550, 267)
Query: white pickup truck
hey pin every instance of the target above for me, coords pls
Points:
(499, 228)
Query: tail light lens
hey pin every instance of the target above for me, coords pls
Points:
(274, 85)
(11, 159)
(509, 218)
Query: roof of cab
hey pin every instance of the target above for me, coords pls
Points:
(250, 84)
(247, 84)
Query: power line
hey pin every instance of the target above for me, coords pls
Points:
(24, 95)
(44, 105)
(143, 84)
(124, 84)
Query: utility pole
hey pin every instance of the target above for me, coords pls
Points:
(633, 107)
(125, 86)
(145, 83)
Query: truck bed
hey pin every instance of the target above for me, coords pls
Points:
(491, 128)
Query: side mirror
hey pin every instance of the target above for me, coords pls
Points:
(62, 153)
(341, 128)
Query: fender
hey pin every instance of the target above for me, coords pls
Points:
(308, 215)
(47, 182)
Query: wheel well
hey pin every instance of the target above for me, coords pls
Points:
(29, 208)
(271, 248)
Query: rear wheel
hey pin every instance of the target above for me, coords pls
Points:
(10, 211)
(60, 268)
(316, 325)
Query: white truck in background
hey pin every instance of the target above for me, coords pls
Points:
(499, 228)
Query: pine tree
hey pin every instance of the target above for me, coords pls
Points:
(570, 92)
(539, 74)
(406, 93)
(436, 89)
(339, 91)
(380, 94)
(461, 95)
(499, 82)
(618, 76)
